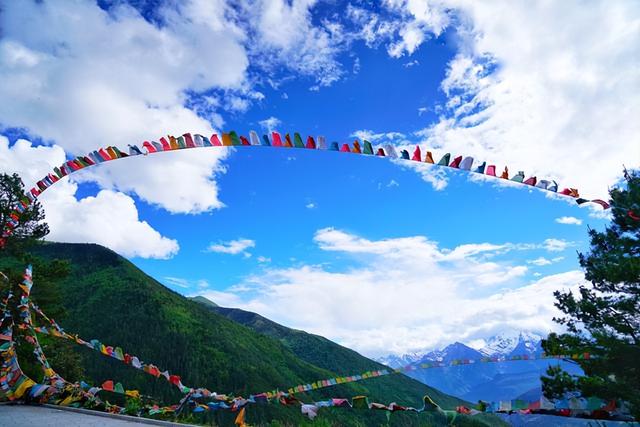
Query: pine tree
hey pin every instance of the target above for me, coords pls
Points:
(604, 319)
(31, 226)
(14, 256)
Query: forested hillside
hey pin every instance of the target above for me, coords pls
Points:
(106, 297)
(326, 354)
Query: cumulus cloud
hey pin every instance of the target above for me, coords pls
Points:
(401, 25)
(232, 247)
(435, 176)
(569, 220)
(186, 283)
(542, 261)
(270, 124)
(286, 31)
(421, 20)
(89, 77)
(556, 245)
(403, 294)
(379, 137)
(528, 98)
(109, 218)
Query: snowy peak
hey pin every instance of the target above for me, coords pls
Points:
(507, 344)
(394, 361)
(453, 351)
(503, 345)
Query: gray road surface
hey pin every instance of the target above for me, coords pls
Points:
(19, 416)
(538, 420)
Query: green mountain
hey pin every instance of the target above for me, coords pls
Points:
(326, 354)
(205, 301)
(108, 298)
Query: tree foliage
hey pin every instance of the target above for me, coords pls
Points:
(16, 254)
(31, 226)
(603, 319)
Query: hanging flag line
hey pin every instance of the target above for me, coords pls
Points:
(55, 389)
(13, 381)
(231, 139)
(119, 354)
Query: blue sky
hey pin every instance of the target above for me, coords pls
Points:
(377, 255)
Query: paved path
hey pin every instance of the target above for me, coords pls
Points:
(538, 420)
(23, 416)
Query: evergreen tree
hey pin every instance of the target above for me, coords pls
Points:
(31, 226)
(14, 256)
(604, 319)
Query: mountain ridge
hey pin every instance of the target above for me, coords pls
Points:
(109, 298)
(505, 345)
(488, 381)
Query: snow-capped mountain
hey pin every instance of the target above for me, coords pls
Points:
(394, 361)
(511, 344)
(505, 344)
(457, 350)
(488, 381)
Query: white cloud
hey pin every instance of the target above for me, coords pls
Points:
(540, 261)
(177, 281)
(435, 176)
(528, 98)
(89, 78)
(524, 97)
(109, 218)
(569, 220)
(270, 124)
(286, 31)
(373, 137)
(402, 294)
(186, 284)
(233, 247)
(556, 245)
(422, 20)
(113, 219)
(310, 205)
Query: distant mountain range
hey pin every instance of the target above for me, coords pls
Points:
(486, 381)
(107, 297)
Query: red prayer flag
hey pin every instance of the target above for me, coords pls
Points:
(174, 379)
(189, 140)
(456, 162)
(165, 144)
(150, 148)
(277, 141)
(417, 155)
(105, 156)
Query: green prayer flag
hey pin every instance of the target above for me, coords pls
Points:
(297, 140)
(234, 138)
(118, 353)
(368, 149)
(360, 402)
(445, 160)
